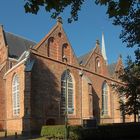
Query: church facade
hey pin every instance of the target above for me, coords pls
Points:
(38, 81)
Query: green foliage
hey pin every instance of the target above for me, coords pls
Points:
(54, 131)
(58, 131)
(108, 131)
(125, 13)
(55, 7)
(129, 93)
(75, 132)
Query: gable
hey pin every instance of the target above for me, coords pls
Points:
(84, 59)
(94, 60)
(55, 45)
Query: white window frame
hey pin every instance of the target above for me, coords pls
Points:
(70, 93)
(105, 99)
(16, 95)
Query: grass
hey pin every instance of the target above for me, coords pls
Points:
(41, 138)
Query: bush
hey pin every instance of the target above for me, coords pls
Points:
(58, 131)
(103, 132)
(53, 131)
(75, 132)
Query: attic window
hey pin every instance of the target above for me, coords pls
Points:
(59, 34)
(64, 50)
(98, 63)
(50, 41)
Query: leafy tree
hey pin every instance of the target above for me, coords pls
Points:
(125, 13)
(129, 93)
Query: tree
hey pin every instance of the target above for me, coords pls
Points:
(125, 13)
(129, 93)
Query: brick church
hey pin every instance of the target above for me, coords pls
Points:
(38, 81)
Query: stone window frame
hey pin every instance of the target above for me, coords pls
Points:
(105, 99)
(64, 47)
(97, 64)
(50, 40)
(16, 95)
(70, 93)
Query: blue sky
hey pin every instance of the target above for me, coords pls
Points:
(82, 34)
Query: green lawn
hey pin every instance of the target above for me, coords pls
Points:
(42, 138)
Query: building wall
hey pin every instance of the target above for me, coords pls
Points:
(3, 69)
(46, 84)
(13, 122)
(46, 89)
(40, 88)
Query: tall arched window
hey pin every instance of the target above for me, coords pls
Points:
(97, 65)
(15, 95)
(50, 41)
(105, 99)
(67, 87)
(64, 49)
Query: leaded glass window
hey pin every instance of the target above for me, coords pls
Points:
(67, 84)
(15, 95)
(105, 99)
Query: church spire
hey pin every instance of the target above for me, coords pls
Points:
(103, 48)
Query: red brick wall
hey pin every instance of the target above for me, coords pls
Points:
(14, 123)
(3, 68)
(40, 90)
(46, 89)
(46, 83)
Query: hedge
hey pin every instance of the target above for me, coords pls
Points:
(110, 131)
(56, 131)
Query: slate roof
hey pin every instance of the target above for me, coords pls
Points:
(111, 68)
(82, 59)
(17, 45)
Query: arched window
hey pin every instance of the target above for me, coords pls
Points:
(64, 48)
(105, 99)
(15, 95)
(67, 92)
(97, 65)
(50, 41)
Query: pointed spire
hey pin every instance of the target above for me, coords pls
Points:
(103, 48)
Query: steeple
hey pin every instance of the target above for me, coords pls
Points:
(103, 48)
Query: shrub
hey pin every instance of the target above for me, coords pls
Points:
(58, 131)
(74, 132)
(102, 132)
(54, 131)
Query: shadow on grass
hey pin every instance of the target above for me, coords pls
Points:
(4, 136)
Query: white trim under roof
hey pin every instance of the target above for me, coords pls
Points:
(20, 62)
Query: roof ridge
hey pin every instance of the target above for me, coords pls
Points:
(85, 54)
(90, 54)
